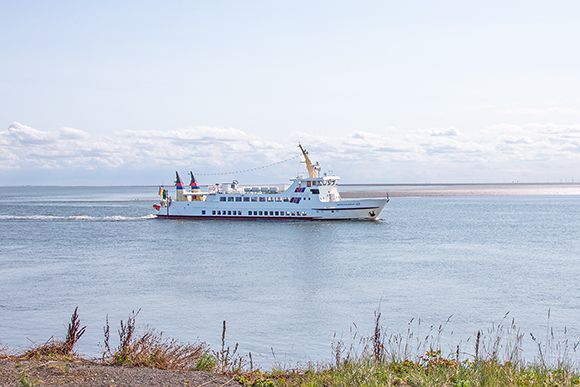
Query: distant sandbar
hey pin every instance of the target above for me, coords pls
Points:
(429, 190)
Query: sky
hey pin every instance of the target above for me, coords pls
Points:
(126, 92)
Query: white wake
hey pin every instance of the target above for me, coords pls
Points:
(48, 218)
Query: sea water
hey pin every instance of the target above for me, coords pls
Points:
(286, 289)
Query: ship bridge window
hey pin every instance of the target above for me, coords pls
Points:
(229, 212)
(246, 199)
(261, 213)
(278, 199)
(238, 199)
(309, 184)
(230, 199)
(286, 199)
(262, 199)
(222, 199)
(315, 191)
(270, 199)
(277, 213)
(254, 198)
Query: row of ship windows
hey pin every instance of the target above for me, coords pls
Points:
(324, 182)
(254, 199)
(257, 213)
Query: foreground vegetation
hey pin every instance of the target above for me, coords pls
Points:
(492, 358)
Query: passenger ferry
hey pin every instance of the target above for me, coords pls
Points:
(307, 198)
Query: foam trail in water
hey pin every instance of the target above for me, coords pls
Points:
(111, 218)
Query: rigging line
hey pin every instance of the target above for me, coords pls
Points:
(246, 170)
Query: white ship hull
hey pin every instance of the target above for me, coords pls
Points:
(350, 209)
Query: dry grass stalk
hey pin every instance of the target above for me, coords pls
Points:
(74, 332)
(150, 349)
(227, 359)
(59, 349)
(378, 342)
(107, 334)
(477, 339)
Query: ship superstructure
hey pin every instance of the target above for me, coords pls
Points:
(306, 198)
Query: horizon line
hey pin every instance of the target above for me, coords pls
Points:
(344, 185)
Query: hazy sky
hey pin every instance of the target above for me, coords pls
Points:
(111, 92)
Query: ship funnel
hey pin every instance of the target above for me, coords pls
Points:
(178, 188)
(178, 183)
(194, 187)
(193, 182)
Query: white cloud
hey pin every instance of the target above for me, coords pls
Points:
(23, 134)
(72, 133)
(417, 152)
(23, 146)
(448, 132)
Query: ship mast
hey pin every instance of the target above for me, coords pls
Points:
(312, 169)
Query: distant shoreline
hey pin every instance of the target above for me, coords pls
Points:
(456, 184)
(447, 190)
(518, 184)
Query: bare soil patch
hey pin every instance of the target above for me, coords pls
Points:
(84, 373)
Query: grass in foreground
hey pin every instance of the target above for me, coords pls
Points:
(493, 358)
(406, 360)
(442, 372)
(151, 349)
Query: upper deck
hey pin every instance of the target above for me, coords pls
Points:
(324, 188)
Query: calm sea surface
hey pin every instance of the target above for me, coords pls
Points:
(286, 286)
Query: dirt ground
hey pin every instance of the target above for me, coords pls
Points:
(59, 373)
